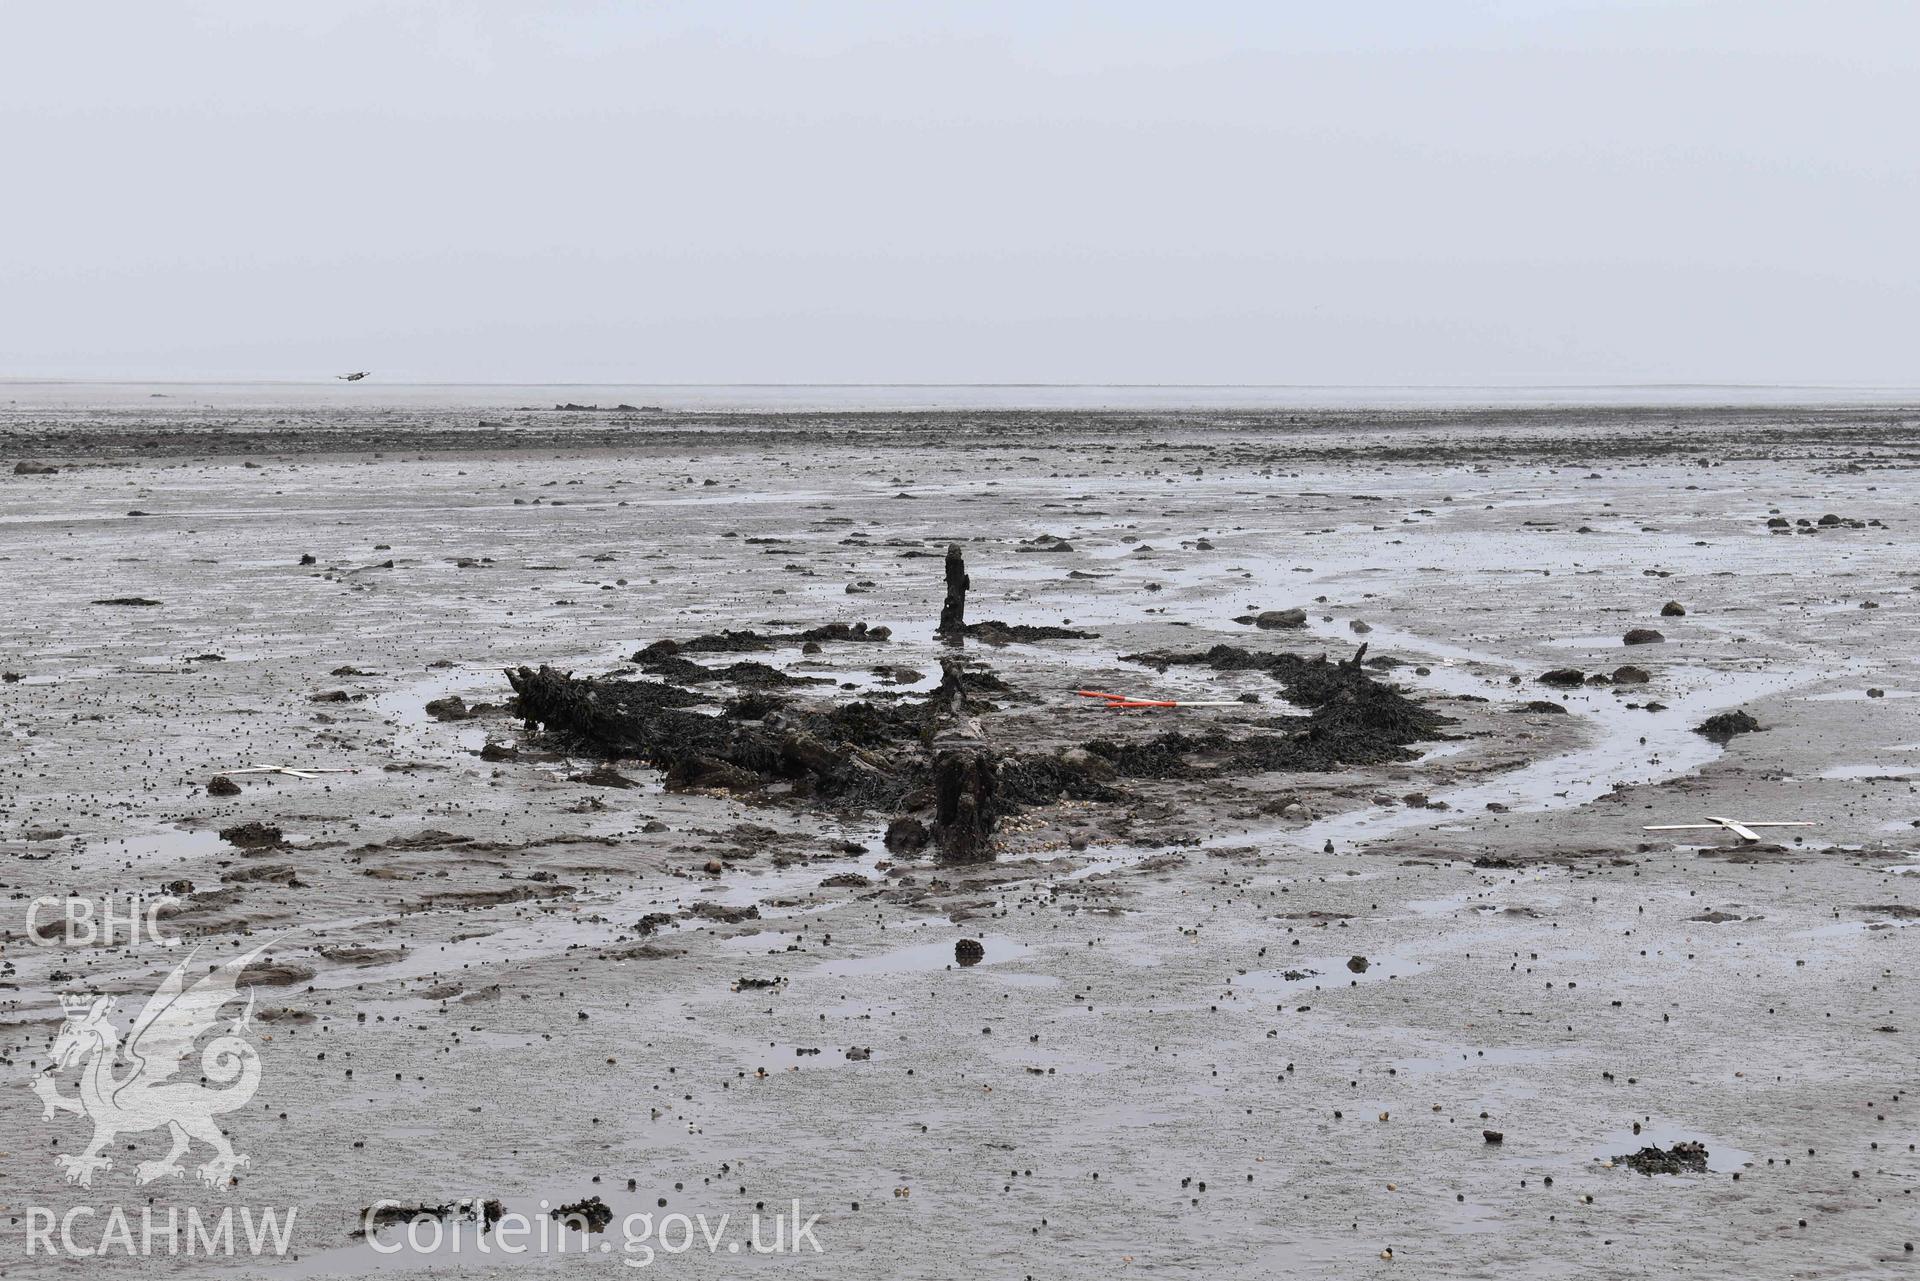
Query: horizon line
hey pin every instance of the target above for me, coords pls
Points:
(32, 381)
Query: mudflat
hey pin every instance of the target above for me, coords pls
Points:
(1240, 989)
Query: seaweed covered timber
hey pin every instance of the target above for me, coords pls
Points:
(933, 762)
(1352, 720)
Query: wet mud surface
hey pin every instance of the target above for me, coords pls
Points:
(1245, 1000)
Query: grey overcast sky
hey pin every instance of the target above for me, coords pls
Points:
(1379, 193)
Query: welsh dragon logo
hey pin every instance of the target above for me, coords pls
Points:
(127, 1088)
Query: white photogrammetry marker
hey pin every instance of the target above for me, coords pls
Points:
(1742, 830)
(301, 771)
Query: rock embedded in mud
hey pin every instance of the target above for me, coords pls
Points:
(906, 835)
(995, 632)
(388, 1214)
(221, 785)
(1092, 764)
(1278, 619)
(1628, 674)
(740, 642)
(969, 952)
(1673, 609)
(1359, 964)
(593, 1214)
(1684, 1157)
(1642, 636)
(267, 972)
(604, 775)
(1722, 728)
(1564, 677)
(451, 708)
(725, 914)
(249, 836)
(24, 468)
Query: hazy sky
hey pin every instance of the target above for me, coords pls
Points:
(1335, 191)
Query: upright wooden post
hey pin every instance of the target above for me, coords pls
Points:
(953, 611)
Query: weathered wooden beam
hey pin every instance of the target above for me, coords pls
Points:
(965, 774)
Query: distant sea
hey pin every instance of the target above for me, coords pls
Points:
(372, 393)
